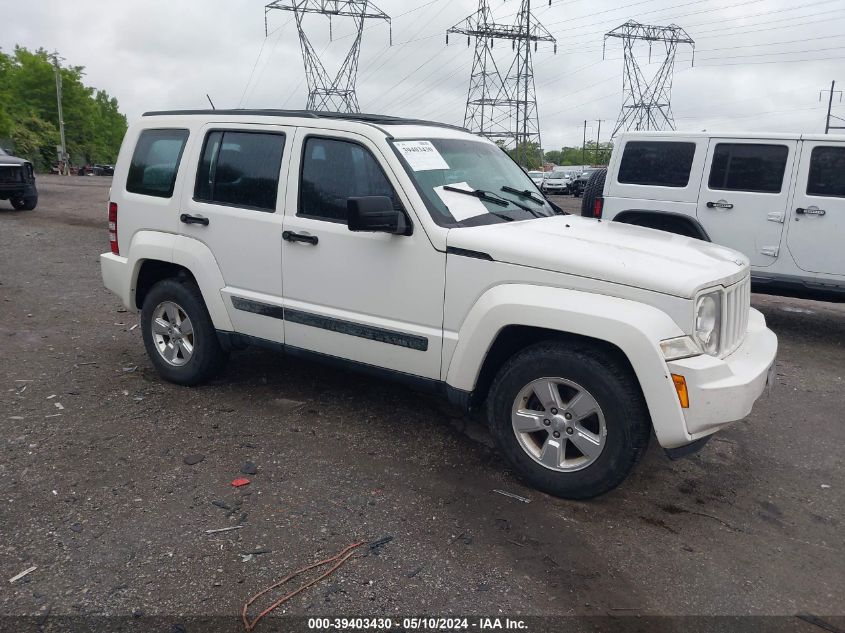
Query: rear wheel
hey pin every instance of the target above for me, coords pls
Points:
(570, 421)
(178, 333)
(24, 204)
(592, 190)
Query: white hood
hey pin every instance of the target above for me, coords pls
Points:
(609, 251)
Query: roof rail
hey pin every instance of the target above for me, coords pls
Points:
(373, 119)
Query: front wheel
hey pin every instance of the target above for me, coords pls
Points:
(571, 421)
(178, 333)
(24, 204)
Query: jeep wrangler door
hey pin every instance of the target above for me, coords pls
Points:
(816, 232)
(744, 195)
(372, 297)
(233, 200)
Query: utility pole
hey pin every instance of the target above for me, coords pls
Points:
(647, 103)
(63, 148)
(502, 104)
(830, 115)
(325, 93)
(584, 145)
(598, 138)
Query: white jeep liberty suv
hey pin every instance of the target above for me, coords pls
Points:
(421, 252)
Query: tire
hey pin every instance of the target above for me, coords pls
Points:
(24, 204)
(592, 190)
(180, 357)
(616, 432)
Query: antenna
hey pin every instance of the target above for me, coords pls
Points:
(647, 103)
(325, 93)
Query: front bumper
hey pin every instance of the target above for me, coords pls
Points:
(18, 190)
(724, 390)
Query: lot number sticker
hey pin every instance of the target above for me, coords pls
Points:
(421, 155)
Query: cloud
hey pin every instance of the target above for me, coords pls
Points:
(759, 63)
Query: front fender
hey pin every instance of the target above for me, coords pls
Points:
(190, 254)
(635, 328)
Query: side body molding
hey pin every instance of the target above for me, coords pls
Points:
(187, 252)
(635, 328)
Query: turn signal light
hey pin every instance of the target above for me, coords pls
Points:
(113, 228)
(681, 388)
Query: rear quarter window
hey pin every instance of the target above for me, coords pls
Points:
(155, 162)
(827, 172)
(656, 163)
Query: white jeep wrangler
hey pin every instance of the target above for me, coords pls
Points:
(777, 198)
(421, 252)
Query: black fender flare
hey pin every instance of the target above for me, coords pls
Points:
(688, 226)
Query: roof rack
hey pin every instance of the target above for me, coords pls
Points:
(373, 119)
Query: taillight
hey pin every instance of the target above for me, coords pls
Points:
(113, 228)
(598, 207)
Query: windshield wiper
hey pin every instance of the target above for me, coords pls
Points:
(524, 193)
(480, 194)
(495, 198)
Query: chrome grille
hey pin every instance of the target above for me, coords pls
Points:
(737, 303)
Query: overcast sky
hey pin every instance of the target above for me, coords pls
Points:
(759, 64)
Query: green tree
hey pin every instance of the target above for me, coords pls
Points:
(94, 126)
(528, 155)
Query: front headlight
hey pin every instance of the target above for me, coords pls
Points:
(708, 316)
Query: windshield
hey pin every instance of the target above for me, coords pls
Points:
(439, 166)
(3, 152)
(559, 174)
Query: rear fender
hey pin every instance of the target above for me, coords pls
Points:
(189, 253)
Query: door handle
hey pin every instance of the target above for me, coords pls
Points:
(810, 211)
(720, 204)
(290, 236)
(193, 219)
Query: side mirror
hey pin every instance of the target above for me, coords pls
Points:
(376, 214)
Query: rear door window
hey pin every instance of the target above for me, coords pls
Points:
(827, 172)
(155, 162)
(656, 163)
(748, 167)
(240, 169)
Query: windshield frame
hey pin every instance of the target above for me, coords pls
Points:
(438, 218)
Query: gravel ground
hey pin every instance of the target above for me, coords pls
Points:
(98, 495)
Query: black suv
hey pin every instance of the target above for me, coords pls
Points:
(17, 182)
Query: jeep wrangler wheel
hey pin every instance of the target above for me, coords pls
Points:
(571, 421)
(178, 333)
(24, 204)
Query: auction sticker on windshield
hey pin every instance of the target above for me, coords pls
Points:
(421, 155)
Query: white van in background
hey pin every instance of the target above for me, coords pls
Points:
(777, 198)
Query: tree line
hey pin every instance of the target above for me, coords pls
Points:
(531, 157)
(29, 119)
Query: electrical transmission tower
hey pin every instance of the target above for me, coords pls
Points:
(324, 92)
(647, 104)
(503, 106)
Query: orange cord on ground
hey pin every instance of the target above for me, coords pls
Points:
(338, 560)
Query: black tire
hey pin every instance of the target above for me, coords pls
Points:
(208, 357)
(592, 190)
(24, 204)
(612, 385)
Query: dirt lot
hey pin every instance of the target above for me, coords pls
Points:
(97, 494)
